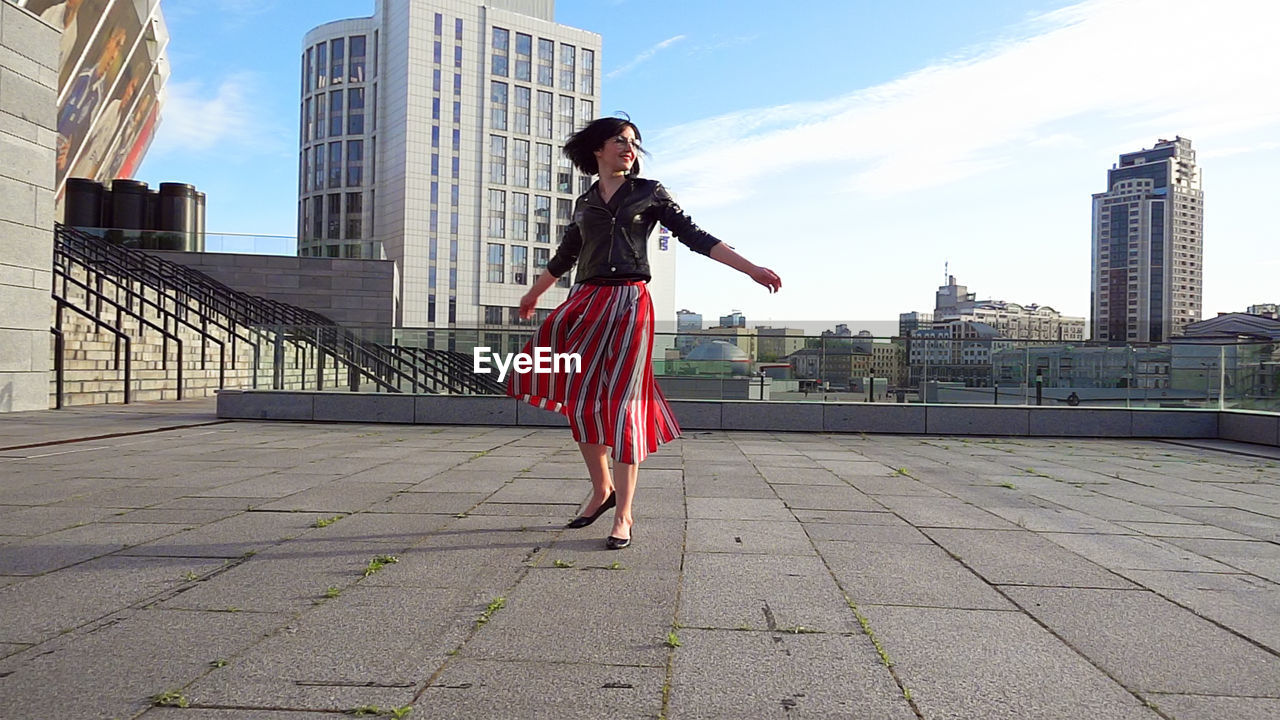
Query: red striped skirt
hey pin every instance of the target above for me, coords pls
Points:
(613, 400)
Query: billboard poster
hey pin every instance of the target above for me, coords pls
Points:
(78, 20)
(91, 87)
(114, 115)
(129, 156)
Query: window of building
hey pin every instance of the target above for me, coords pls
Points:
(453, 171)
(500, 51)
(542, 168)
(304, 168)
(541, 256)
(435, 108)
(335, 113)
(546, 102)
(356, 65)
(497, 159)
(306, 71)
(322, 65)
(320, 116)
(524, 57)
(586, 111)
(439, 26)
(520, 163)
(457, 139)
(435, 80)
(355, 111)
(546, 60)
(496, 262)
(319, 168)
(355, 210)
(335, 216)
(565, 126)
(521, 109)
(457, 84)
(519, 265)
(497, 214)
(498, 105)
(492, 315)
(336, 70)
(437, 52)
(564, 214)
(542, 219)
(520, 217)
(317, 217)
(306, 120)
(335, 164)
(586, 73)
(457, 28)
(567, 80)
(355, 163)
(564, 174)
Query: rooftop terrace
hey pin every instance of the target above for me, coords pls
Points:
(154, 553)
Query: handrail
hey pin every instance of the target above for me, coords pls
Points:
(59, 347)
(120, 335)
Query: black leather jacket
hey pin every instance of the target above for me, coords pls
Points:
(610, 242)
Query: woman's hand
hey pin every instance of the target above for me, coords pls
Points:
(766, 277)
(528, 303)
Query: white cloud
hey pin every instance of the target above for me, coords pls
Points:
(1150, 64)
(989, 158)
(198, 118)
(644, 56)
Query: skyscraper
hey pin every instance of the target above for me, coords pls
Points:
(432, 135)
(1148, 245)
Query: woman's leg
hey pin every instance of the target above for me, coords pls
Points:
(597, 459)
(624, 484)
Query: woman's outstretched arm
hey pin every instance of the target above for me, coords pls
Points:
(762, 275)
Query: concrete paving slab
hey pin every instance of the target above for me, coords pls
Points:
(43, 519)
(716, 487)
(656, 544)
(419, 503)
(1023, 558)
(738, 592)
(370, 646)
(835, 497)
(737, 509)
(887, 534)
(1150, 644)
(995, 666)
(1244, 603)
(46, 606)
(119, 664)
(1255, 525)
(1200, 707)
(943, 512)
(566, 615)
(46, 553)
(1183, 530)
(335, 497)
(542, 691)
(768, 537)
(1134, 552)
(229, 538)
(850, 517)
(169, 713)
(792, 475)
(733, 674)
(921, 575)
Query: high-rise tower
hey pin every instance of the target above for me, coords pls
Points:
(1148, 245)
(432, 135)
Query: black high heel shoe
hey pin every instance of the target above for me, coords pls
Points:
(616, 543)
(584, 520)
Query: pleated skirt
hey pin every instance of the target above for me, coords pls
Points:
(612, 398)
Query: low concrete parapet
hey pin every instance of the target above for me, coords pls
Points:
(897, 419)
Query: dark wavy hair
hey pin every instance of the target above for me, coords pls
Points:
(582, 145)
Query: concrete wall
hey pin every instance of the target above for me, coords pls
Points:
(28, 102)
(355, 293)
(905, 419)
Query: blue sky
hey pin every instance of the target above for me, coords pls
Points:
(853, 146)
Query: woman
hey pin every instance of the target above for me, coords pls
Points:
(612, 401)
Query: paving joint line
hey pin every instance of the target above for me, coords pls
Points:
(109, 436)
